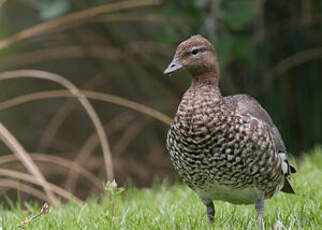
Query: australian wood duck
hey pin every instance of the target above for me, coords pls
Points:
(224, 148)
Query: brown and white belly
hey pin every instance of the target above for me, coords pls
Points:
(248, 195)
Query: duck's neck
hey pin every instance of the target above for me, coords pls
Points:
(206, 83)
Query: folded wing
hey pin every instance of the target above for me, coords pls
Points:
(246, 105)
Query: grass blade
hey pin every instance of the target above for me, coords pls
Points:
(7, 183)
(31, 179)
(82, 99)
(74, 18)
(68, 164)
(89, 94)
(26, 160)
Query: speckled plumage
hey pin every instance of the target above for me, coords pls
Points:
(224, 148)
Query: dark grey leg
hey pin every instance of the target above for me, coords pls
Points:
(260, 209)
(210, 211)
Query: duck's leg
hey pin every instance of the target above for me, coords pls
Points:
(210, 211)
(260, 209)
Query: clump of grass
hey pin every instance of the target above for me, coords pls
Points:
(177, 207)
(113, 192)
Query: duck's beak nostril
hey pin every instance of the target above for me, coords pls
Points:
(174, 66)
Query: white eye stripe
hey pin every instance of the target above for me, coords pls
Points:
(195, 48)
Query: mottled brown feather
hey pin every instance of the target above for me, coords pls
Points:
(223, 142)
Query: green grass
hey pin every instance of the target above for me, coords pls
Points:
(177, 207)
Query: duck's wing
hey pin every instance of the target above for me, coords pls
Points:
(246, 105)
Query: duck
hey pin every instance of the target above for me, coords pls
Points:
(223, 147)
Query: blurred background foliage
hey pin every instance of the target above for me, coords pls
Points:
(271, 50)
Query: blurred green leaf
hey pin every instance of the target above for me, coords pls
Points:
(200, 3)
(243, 48)
(168, 35)
(223, 46)
(189, 19)
(53, 8)
(238, 13)
(2, 2)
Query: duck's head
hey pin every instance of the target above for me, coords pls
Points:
(196, 55)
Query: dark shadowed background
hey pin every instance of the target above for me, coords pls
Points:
(271, 50)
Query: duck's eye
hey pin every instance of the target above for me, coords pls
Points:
(194, 51)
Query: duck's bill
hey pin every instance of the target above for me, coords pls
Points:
(174, 66)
